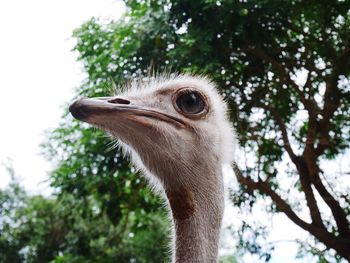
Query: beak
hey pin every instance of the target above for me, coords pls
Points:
(97, 110)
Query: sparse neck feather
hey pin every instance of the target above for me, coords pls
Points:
(197, 212)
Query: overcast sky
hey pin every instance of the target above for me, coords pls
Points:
(38, 73)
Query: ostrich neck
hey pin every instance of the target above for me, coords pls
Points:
(197, 213)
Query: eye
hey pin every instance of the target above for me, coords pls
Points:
(190, 102)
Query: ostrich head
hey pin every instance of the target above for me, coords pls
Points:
(175, 130)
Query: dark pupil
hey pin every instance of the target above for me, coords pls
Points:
(190, 103)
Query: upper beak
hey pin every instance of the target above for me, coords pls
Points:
(84, 108)
(87, 109)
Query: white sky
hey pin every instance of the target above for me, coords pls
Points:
(37, 75)
(38, 72)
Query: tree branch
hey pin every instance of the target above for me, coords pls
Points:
(332, 102)
(308, 103)
(306, 185)
(338, 213)
(283, 129)
(303, 174)
(342, 247)
(265, 188)
(315, 41)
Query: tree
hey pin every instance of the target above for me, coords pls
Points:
(256, 51)
(60, 229)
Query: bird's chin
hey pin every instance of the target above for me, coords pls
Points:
(126, 129)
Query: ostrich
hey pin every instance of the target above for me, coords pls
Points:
(176, 131)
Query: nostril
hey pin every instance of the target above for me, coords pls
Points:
(119, 101)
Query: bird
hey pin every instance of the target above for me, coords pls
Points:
(176, 130)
